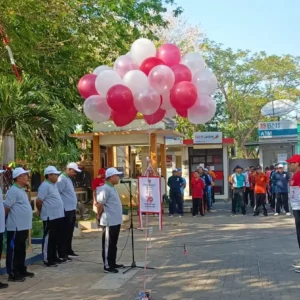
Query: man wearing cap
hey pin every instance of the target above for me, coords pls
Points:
(175, 182)
(2, 229)
(261, 182)
(238, 182)
(280, 180)
(294, 166)
(110, 214)
(69, 198)
(51, 209)
(19, 221)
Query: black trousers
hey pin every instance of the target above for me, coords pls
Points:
(213, 194)
(251, 195)
(206, 204)
(1, 244)
(247, 195)
(273, 200)
(68, 226)
(16, 252)
(296, 214)
(238, 198)
(176, 203)
(197, 207)
(260, 201)
(282, 200)
(110, 237)
(53, 239)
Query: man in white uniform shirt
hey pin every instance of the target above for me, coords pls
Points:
(67, 193)
(2, 229)
(19, 221)
(52, 213)
(110, 214)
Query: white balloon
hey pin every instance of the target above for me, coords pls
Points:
(147, 101)
(205, 81)
(166, 103)
(194, 61)
(203, 110)
(170, 113)
(96, 109)
(105, 80)
(136, 81)
(161, 78)
(142, 49)
(100, 69)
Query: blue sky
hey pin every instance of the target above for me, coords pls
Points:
(259, 25)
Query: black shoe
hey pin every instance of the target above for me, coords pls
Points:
(110, 270)
(73, 254)
(118, 266)
(27, 274)
(61, 261)
(265, 215)
(16, 278)
(3, 285)
(67, 258)
(51, 264)
(255, 215)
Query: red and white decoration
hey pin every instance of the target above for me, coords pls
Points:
(150, 197)
(155, 82)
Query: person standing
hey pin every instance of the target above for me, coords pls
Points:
(272, 193)
(175, 182)
(183, 185)
(2, 230)
(51, 209)
(207, 184)
(280, 181)
(69, 198)
(19, 221)
(209, 189)
(238, 183)
(261, 182)
(110, 213)
(197, 194)
(96, 184)
(247, 187)
(214, 177)
(251, 178)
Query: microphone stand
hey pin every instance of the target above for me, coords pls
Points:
(131, 228)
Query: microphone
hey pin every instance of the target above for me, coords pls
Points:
(125, 181)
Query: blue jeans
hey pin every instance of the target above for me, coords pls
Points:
(175, 202)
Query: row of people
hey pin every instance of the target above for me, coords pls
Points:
(56, 203)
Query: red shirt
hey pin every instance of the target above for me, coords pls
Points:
(197, 188)
(261, 181)
(97, 182)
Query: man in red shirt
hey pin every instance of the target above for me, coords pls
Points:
(294, 166)
(96, 184)
(198, 186)
(261, 182)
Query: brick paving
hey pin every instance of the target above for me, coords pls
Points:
(229, 258)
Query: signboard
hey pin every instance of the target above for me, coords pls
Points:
(277, 129)
(208, 138)
(150, 197)
(281, 157)
(174, 140)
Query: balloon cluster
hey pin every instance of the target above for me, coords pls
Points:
(157, 83)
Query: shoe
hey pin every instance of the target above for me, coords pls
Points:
(3, 285)
(233, 215)
(119, 266)
(296, 266)
(288, 214)
(73, 254)
(277, 214)
(27, 274)
(194, 216)
(265, 215)
(111, 270)
(67, 258)
(61, 261)
(16, 278)
(171, 216)
(297, 271)
(51, 265)
(180, 216)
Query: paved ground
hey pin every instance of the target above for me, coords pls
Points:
(228, 258)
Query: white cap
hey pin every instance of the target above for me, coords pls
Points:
(280, 166)
(51, 170)
(175, 170)
(73, 166)
(111, 172)
(205, 169)
(19, 171)
(2, 171)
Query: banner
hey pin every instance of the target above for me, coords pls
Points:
(150, 197)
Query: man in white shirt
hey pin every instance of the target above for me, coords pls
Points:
(110, 214)
(2, 229)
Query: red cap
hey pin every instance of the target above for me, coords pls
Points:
(101, 172)
(294, 159)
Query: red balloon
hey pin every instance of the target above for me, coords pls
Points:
(156, 117)
(183, 95)
(123, 118)
(182, 113)
(182, 73)
(86, 86)
(169, 54)
(149, 63)
(118, 97)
